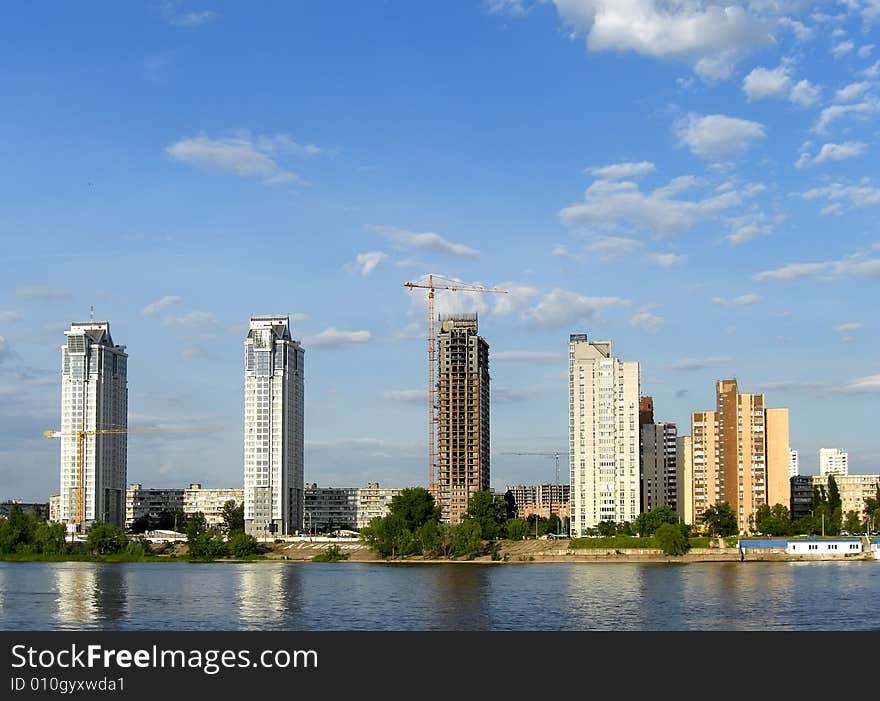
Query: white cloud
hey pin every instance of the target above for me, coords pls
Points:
(406, 395)
(858, 265)
(711, 38)
(367, 262)
(862, 195)
(805, 94)
(9, 316)
(833, 152)
(747, 299)
(872, 71)
(242, 154)
(699, 363)
(333, 338)
(622, 203)
(412, 330)
(560, 251)
(851, 326)
(745, 233)
(859, 385)
(831, 114)
(517, 297)
(865, 51)
(851, 92)
(299, 316)
(801, 31)
(831, 209)
(647, 321)
(618, 171)
(426, 241)
(40, 293)
(609, 246)
(526, 357)
(842, 49)
(667, 260)
(716, 135)
(155, 307)
(509, 7)
(563, 308)
(193, 19)
(765, 82)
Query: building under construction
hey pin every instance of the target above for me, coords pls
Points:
(462, 414)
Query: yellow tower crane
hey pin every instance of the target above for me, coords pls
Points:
(80, 443)
(437, 282)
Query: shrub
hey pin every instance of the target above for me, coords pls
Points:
(332, 554)
(672, 539)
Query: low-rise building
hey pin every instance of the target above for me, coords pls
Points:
(150, 502)
(210, 501)
(42, 510)
(838, 546)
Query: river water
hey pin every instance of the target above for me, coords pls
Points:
(366, 596)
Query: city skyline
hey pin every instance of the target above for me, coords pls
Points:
(714, 220)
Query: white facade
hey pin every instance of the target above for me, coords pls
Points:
(210, 502)
(603, 404)
(794, 469)
(833, 461)
(824, 547)
(273, 428)
(94, 401)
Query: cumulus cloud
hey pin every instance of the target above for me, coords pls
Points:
(660, 211)
(647, 321)
(851, 92)
(619, 171)
(858, 110)
(243, 154)
(801, 31)
(426, 241)
(851, 326)
(609, 246)
(833, 152)
(564, 308)
(805, 94)
(160, 304)
(365, 263)
(203, 322)
(710, 38)
(765, 82)
(333, 338)
(791, 271)
(743, 234)
(517, 298)
(716, 135)
(699, 363)
(843, 48)
(861, 195)
(747, 299)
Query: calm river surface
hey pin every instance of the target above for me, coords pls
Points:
(357, 596)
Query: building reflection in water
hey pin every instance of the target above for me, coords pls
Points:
(76, 593)
(603, 596)
(268, 596)
(458, 599)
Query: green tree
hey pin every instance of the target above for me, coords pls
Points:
(105, 539)
(332, 554)
(427, 537)
(720, 519)
(414, 506)
(607, 529)
(233, 517)
(241, 544)
(775, 520)
(50, 538)
(517, 529)
(647, 522)
(625, 528)
(672, 539)
(466, 541)
(490, 512)
(853, 522)
(510, 502)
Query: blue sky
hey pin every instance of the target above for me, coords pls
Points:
(696, 184)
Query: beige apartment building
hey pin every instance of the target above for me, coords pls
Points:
(210, 502)
(462, 414)
(741, 454)
(374, 501)
(684, 478)
(854, 489)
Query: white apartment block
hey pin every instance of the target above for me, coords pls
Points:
(374, 501)
(603, 402)
(273, 428)
(54, 508)
(210, 502)
(794, 468)
(833, 461)
(94, 418)
(330, 508)
(659, 471)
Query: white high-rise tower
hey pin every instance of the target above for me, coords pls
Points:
(94, 398)
(603, 431)
(273, 428)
